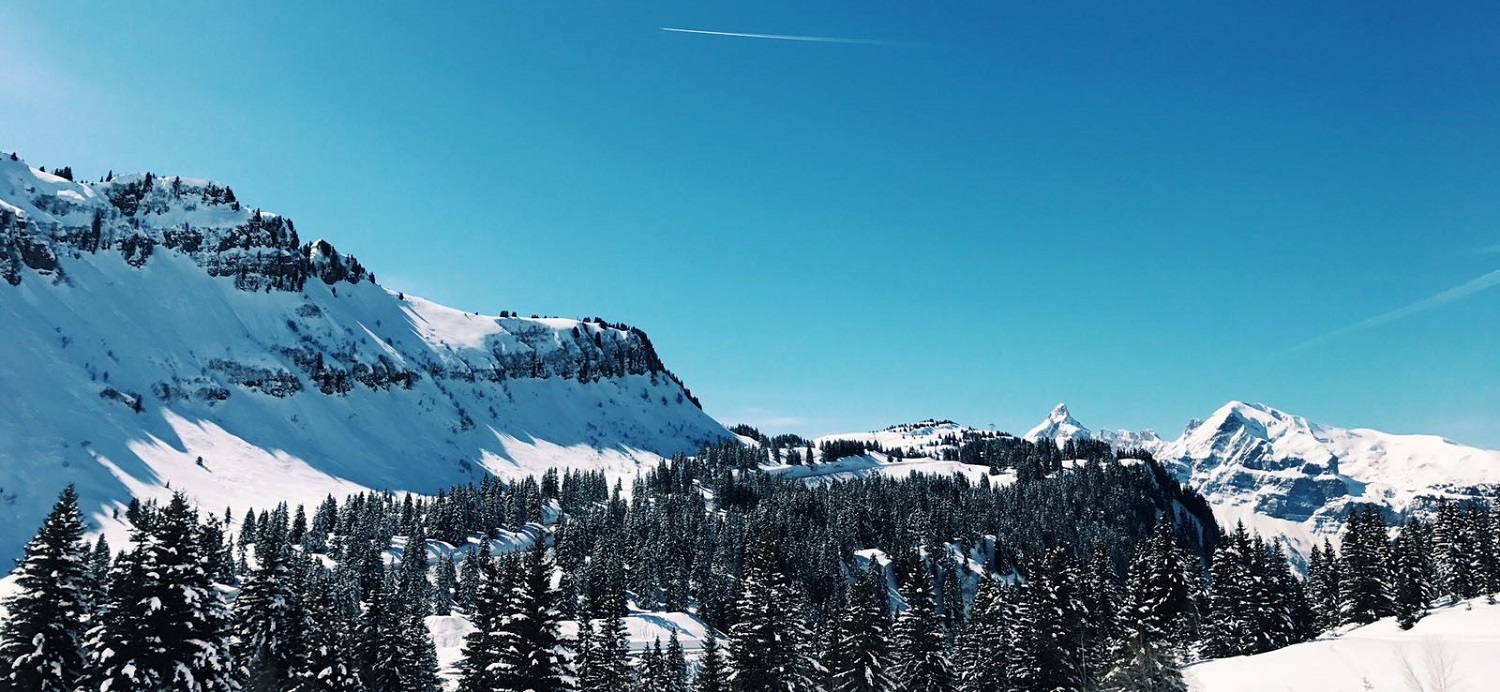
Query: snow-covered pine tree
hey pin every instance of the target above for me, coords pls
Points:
(268, 622)
(921, 642)
(164, 626)
(529, 653)
(395, 650)
(861, 660)
(656, 675)
(1157, 604)
(324, 663)
(771, 646)
(712, 674)
(470, 576)
(444, 585)
(1323, 591)
(607, 668)
(412, 581)
(676, 662)
(492, 592)
(42, 637)
(980, 650)
(1147, 667)
(1047, 626)
(1410, 585)
(1486, 563)
(1364, 557)
(1453, 552)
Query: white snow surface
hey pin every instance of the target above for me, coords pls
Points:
(877, 464)
(84, 343)
(1455, 645)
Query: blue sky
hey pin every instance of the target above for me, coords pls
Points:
(1142, 209)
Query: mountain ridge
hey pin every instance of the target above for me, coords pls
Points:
(166, 337)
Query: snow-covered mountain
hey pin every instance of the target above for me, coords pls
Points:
(1287, 467)
(159, 334)
(1061, 426)
(1286, 475)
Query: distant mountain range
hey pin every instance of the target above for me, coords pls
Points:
(160, 335)
(1289, 476)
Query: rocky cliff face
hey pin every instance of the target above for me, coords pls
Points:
(159, 333)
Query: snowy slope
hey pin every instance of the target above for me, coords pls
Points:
(877, 464)
(928, 446)
(1451, 649)
(149, 329)
(930, 439)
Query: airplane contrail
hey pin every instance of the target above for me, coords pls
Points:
(788, 37)
(1459, 292)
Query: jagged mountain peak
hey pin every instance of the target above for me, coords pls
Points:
(1059, 425)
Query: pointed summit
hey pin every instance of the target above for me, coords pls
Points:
(1059, 425)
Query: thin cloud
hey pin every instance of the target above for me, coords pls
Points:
(789, 37)
(1459, 292)
(1490, 249)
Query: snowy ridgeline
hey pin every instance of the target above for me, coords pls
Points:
(1286, 476)
(1453, 649)
(160, 336)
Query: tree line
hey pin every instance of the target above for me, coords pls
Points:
(1103, 576)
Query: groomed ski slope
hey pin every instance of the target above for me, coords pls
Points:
(1453, 649)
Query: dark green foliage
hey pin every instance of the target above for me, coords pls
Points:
(164, 625)
(771, 645)
(923, 663)
(1411, 574)
(1363, 562)
(267, 625)
(861, 659)
(42, 638)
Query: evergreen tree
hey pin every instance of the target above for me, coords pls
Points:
(395, 651)
(1158, 597)
(1323, 587)
(981, 647)
(607, 667)
(324, 664)
(771, 645)
(676, 660)
(861, 657)
(519, 647)
(1410, 585)
(268, 622)
(1148, 667)
(1453, 553)
(445, 587)
(712, 674)
(42, 637)
(164, 626)
(1365, 555)
(921, 642)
